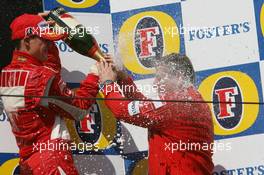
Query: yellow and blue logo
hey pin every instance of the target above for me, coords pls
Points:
(99, 129)
(231, 87)
(91, 6)
(136, 164)
(262, 19)
(9, 164)
(259, 12)
(144, 34)
(141, 167)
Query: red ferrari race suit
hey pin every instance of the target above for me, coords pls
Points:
(38, 123)
(172, 127)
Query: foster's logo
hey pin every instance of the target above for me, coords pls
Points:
(98, 128)
(231, 89)
(89, 128)
(228, 113)
(262, 19)
(141, 36)
(148, 40)
(78, 3)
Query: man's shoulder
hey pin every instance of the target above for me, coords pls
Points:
(42, 72)
(33, 71)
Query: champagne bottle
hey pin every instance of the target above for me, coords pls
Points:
(78, 38)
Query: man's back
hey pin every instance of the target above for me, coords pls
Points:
(181, 143)
(170, 124)
(38, 123)
(27, 77)
(38, 120)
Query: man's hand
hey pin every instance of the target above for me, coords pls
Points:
(94, 70)
(109, 59)
(44, 15)
(105, 71)
(121, 74)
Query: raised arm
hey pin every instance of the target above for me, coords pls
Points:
(71, 106)
(128, 86)
(140, 113)
(53, 62)
(135, 112)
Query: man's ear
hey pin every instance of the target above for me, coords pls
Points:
(26, 43)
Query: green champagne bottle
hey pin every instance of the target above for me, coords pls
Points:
(77, 37)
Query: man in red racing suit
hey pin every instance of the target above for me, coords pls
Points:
(37, 123)
(180, 133)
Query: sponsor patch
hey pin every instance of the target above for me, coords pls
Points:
(133, 108)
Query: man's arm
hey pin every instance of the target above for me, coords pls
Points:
(135, 112)
(71, 106)
(53, 62)
(141, 113)
(129, 88)
(125, 81)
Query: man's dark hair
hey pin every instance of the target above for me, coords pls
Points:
(16, 44)
(178, 63)
(6, 51)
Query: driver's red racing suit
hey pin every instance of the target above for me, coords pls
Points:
(171, 125)
(38, 123)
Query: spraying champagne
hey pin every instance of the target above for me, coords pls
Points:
(78, 38)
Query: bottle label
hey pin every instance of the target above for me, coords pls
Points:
(70, 22)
